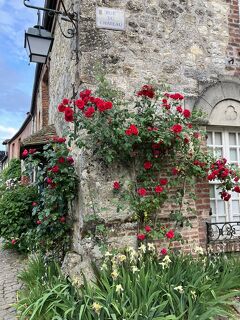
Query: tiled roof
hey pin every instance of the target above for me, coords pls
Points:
(6, 141)
(40, 137)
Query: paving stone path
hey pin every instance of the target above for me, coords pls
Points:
(10, 264)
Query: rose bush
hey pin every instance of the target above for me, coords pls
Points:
(57, 184)
(157, 138)
(15, 215)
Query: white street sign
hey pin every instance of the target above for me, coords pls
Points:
(110, 18)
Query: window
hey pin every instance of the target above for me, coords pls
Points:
(224, 143)
(13, 150)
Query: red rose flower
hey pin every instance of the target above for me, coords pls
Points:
(211, 177)
(141, 236)
(163, 182)
(60, 140)
(108, 105)
(61, 107)
(186, 113)
(236, 179)
(116, 185)
(170, 234)
(156, 145)
(158, 189)
(196, 162)
(86, 99)
(70, 160)
(25, 153)
(163, 251)
(179, 109)
(224, 173)
(65, 101)
(176, 96)
(68, 114)
(225, 195)
(39, 222)
(100, 103)
(89, 112)
(55, 169)
(61, 159)
(228, 196)
(146, 91)
(13, 241)
(132, 130)
(62, 219)
(156, 153)
(152, 129)
(196, 135)
(215, 172)
(175, 171)
(85, 94)
(97, 101)
(176, 128)
(142, 192)
(186, 140)
(49, 181)
(148, 229)
(167, 106)
(32, 151)
(236, 189)
(80, 104)
(189, 125)
(147, 165)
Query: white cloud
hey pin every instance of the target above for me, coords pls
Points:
(15, 19)
(8, 130)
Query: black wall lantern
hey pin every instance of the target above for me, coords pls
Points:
(38, 41)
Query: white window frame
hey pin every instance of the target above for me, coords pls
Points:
(228, 205)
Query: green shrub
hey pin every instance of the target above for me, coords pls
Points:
(56, 181)
(16, 215)
(47, 294)
(13, 170)
(135, 286)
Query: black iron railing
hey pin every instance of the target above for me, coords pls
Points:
(223, 231)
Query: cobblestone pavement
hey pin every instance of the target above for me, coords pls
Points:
(10, 264)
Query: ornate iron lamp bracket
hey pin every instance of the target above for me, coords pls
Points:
(71, 17)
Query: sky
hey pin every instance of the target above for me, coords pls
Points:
(17, 78)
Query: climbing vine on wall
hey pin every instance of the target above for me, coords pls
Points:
(157, 138)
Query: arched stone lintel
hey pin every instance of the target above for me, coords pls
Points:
(228, 90)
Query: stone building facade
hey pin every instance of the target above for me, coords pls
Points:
(191, 45)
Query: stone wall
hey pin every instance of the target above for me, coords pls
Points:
(179, 42)
(184, 43)
(233, 49)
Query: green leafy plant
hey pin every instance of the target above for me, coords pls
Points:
(12, 171)
(57, 184)
(135, 285)
(157, 139)
(47, 294)
(16, 215)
